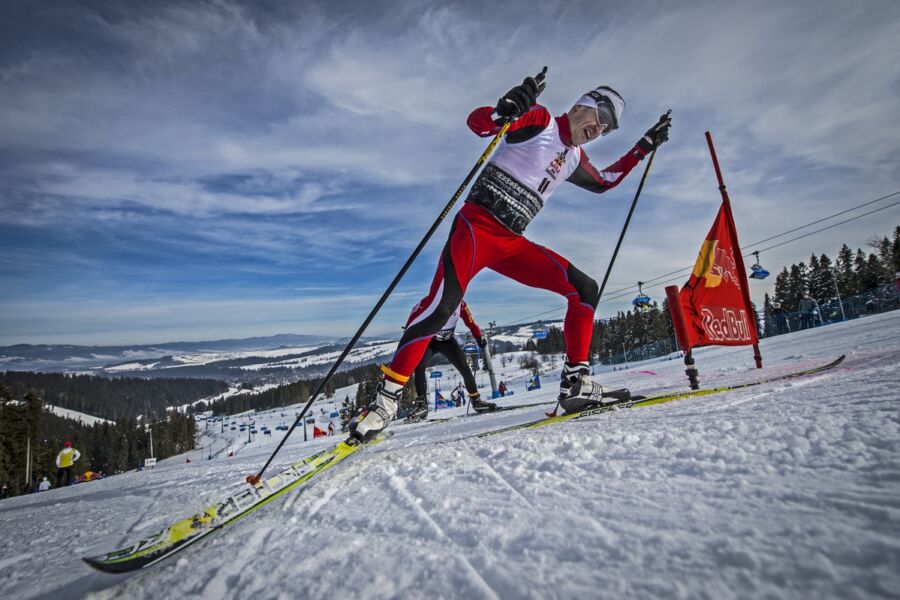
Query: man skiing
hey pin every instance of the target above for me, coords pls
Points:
(444, 341)
(65, 460)
(538, 153)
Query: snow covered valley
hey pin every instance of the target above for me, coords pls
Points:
(789, 489)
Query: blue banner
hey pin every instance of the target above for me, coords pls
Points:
(436, 375)
(540, 334)
(441, 402)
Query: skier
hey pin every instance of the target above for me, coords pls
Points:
(538, 153)
(64, 462)
(44, 485)
(809, 310)
(444, 341)
(501, 387)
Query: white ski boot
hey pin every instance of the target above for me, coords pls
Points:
(379, 414)
(577, 392)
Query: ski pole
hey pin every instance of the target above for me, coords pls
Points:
(612, 260)
(254, 479)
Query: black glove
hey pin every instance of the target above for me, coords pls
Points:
(482, 341)
(518, 100)
(656, 135)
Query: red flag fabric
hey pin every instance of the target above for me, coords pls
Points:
(715, 303)
(318, 432)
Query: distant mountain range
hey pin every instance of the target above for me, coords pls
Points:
(275, 358)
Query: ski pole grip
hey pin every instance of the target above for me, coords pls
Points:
(253, 479)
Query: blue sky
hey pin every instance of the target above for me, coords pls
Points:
(200, 170)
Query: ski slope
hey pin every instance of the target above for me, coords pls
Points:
(785, 490)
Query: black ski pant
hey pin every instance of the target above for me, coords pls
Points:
(64, 476)
(454, 353)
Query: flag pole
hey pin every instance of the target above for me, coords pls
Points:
(738, 254)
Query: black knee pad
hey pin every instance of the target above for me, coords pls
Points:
(587, 287)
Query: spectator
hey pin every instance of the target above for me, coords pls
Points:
(330, 428)
(502, 389)
(897, 282)
(4, 492)
(778, 320)
(809, 311)
(65, 460)
(44, 485)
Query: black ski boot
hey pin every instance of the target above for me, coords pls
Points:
(577, 392)
(481, 406)
(419, 411)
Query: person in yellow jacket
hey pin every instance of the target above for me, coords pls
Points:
(64, 463)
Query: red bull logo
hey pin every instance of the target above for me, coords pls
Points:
(725, 324)
(716, 264)
(557, 163)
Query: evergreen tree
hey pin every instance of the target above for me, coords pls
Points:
(782, 284)
(846, 277)
(798, 281)
(895, 250)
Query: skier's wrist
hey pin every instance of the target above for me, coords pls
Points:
(643, 147)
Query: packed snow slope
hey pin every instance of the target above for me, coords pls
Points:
(784, 490)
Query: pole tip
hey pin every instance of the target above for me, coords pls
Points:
(253, 479)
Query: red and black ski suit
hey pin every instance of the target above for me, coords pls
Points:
(536, 155)
(444, 342)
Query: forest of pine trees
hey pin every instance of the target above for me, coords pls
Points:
(854, 272)
(111, 398)
(631, 329)
(104, 448)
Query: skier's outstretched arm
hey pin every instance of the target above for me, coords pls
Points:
(588, 177)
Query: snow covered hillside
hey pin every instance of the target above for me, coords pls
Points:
(786, 490)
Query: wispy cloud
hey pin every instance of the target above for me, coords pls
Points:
(224, 152)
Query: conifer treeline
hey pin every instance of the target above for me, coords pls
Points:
(114, 399)
(283, 395)
(855, 273)
(631, 329)
(104, 447)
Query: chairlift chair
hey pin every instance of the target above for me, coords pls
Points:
(642, 301)
(759, 272)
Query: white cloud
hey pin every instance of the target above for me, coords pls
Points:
(215, 125)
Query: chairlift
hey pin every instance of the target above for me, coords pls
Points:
(758, 271)
(642, 301)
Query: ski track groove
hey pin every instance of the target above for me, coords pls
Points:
(402, 492)
(497, 475)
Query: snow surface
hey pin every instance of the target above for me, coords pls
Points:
(76, 416)
(785, 490)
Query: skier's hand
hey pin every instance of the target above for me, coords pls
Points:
(518, 100)
(482, 341)
(656, 135)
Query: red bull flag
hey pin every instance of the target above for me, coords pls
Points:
(714, 309)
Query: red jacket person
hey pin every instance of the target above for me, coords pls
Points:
(538, 153)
